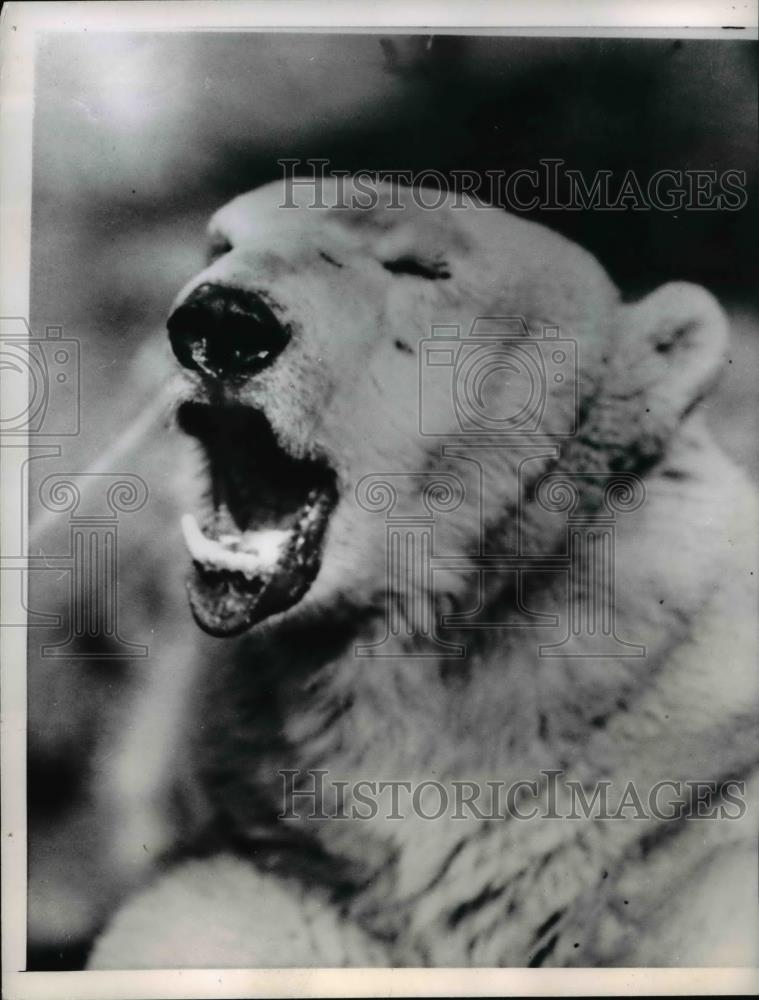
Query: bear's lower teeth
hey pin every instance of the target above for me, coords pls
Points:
(252, 553)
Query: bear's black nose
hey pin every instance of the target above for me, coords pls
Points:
(225, 332)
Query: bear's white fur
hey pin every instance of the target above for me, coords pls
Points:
(293, 694)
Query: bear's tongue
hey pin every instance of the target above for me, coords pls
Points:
(240, 577)
(259, 550)
(252, 553)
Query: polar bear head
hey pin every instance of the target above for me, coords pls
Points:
(346, 357)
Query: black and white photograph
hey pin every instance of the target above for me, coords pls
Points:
(379, 483)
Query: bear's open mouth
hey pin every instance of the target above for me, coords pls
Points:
(259, 550)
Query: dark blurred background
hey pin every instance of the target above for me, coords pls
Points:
(139, 137)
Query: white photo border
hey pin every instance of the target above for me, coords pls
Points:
(21, 23)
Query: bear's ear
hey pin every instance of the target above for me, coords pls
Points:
(667, 352)
(678, 336)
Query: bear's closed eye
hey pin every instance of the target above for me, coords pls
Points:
(217, 249)
(432, 270)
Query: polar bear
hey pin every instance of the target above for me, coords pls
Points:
(463, 524)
